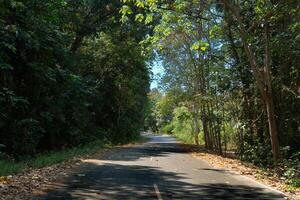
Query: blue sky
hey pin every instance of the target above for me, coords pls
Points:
(157, 70)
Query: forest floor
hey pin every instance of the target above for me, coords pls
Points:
(268, 177)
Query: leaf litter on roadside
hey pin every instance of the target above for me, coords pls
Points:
(267, 177)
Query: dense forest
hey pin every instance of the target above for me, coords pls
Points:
(70, 73)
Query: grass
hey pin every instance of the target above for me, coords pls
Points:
(185, 138)
(188, 138)
(9, 167)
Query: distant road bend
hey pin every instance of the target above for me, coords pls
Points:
(159, 169)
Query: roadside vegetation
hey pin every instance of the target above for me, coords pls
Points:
(10, 167)
(72, 79)
(231, 78)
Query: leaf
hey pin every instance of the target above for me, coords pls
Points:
(5, 66)
(3, 180)
(151, 2)
(203, 48)
(139, 17)
(140, 4)
(125, 10)
(124, 19)
(200, 45)
(167, 31)
(195, 46)
(149, 19)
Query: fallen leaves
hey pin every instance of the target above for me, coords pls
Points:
(36, 181)
(22, 186)
(266, 177)
(3, 179)
(25, 185)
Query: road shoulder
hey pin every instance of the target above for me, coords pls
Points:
(243, 169)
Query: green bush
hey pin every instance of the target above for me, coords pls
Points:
(258, 152)
(9, 166)
(291, 169)
(167, 129)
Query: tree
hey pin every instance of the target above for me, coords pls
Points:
(221, 54)
(262, 77)
(70, 73)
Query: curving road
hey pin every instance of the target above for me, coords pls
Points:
(159, 169)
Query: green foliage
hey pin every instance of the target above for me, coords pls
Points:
(164, 109)
(294, 182)
(182, 120)
(200, 45)
(70, 74)
(258, 153)
(9, 167)
(207, 49)
(167, 129)
(150, 115)
(291, 169)
(184, 137)
(180, 126)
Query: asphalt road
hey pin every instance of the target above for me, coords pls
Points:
(159, 169)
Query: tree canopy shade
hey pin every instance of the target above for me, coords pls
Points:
(76, 71)
(234, 65)
(70, 73)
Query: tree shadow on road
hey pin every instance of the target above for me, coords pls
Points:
(115, 181)
(147, 150)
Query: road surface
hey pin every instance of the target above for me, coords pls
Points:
(159, 169)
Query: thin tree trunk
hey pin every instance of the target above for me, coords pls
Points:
(269, 99)
(262, 79)
(218, 122)
(196, 125)
(224, 129)
(204, 125)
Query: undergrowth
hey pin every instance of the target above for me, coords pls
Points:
(9, 166)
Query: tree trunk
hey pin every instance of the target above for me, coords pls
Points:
(204, 125)
(196, 124)
(268, 98)
(76, 43)
(262, 78)
(272, 125)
